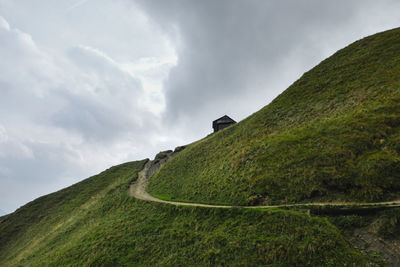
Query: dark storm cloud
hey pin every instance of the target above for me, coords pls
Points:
(235, 56)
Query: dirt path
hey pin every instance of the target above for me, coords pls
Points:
(364, 239)
(138, 190)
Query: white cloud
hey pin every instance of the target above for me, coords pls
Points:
(88, 84)
(77, 4)
(4, 24)
(152, 72)
(10, 148)
(3, 134)
(65, 116)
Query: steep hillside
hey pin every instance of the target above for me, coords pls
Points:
(334, 135)
(96, 223)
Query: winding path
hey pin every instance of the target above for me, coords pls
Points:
(138, 190)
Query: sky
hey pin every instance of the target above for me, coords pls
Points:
(85, 85)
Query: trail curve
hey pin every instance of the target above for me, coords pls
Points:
(138, 189)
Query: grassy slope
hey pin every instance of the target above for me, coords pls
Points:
(373, 233)
(332, 135)
(96, 223)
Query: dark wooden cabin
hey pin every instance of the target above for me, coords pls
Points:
(222, 123)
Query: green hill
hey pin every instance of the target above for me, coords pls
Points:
(96, 223)
(333, 135)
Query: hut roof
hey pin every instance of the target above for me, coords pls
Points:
(224, 119)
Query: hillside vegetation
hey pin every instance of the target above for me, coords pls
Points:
(333, 135)
(96, 223)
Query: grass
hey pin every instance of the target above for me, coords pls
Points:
(23, 231)
(379, 230)
(96, 223)
(333, 135)
(162, 155)
(390, 224)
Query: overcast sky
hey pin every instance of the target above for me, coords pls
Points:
(87, 84)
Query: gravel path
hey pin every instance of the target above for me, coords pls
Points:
(138, 190)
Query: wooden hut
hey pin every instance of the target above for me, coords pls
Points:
(222, 123)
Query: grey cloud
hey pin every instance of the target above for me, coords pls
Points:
(21, 59)
(106, 103)
(235, 56)
(64, 118)
(69, 108)
(111, 26)
(29, 169)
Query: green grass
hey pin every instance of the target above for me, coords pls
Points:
(22, 231)
(162, 155)
(96, 223)
(390, 224)
(334, 135)
(381, 227)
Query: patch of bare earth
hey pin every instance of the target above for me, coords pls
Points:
(367, 239)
